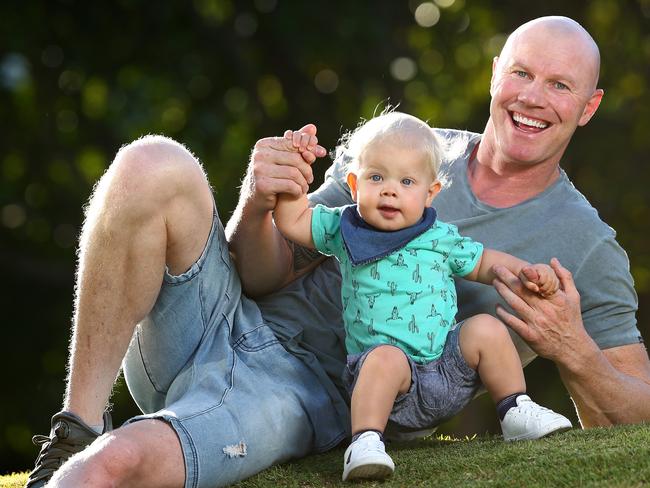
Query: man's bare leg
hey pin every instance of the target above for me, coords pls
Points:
(152, 208)
(142, 454)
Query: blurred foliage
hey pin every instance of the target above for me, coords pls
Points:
(80, 79)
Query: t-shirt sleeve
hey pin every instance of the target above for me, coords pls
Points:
(464, 252)
(326, 229)
(607, 296)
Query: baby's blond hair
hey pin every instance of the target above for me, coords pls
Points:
(391, 126)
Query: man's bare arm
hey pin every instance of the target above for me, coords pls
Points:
(609, 386)
(264, 259)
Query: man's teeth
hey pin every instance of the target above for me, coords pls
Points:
(525, 120)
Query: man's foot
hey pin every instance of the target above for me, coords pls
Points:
(366, 458)
(528, 420)
(68, 436)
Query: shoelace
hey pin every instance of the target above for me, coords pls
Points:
(53, 454)
(539, 409)
(373, 445)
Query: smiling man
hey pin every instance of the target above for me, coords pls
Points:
(230, 385)
(509, 191)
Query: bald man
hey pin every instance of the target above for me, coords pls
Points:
(544, 86)
(231, 386)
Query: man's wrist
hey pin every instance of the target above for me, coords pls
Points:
(581, 359)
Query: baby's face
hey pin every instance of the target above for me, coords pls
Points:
(392, 186)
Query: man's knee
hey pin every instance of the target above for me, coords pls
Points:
(146, 453)
(118, 458)
(156, 161)
(109, 461)
(148, 176)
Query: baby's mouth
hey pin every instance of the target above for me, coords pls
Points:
(387, 210)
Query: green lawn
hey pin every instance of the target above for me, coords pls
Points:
(614, 457)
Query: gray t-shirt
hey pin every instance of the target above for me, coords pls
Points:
(559, 222)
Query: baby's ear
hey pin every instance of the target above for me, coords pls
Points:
(352, 183)
(434, 189)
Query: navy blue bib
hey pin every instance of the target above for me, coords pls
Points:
(365, 244)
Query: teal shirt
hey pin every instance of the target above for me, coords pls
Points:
(408, 298)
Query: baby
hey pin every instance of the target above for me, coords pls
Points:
(410, 366)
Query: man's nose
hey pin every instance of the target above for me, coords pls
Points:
(532, 94)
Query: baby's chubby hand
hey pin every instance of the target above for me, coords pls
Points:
(540, 278)
(302, 141)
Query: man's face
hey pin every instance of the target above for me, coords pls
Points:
(392, 186)
(542, 90)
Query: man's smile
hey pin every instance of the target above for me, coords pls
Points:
(528, 124)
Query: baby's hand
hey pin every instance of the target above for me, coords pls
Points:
(540, 278)
(301, 141)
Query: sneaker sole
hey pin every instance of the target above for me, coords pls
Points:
(369, 472)
(531, 437)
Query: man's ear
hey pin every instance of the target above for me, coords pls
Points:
(591, 107)
(434, 189)
(495, 63)
(352, 183)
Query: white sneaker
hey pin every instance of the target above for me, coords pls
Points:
(528, 420)
(366, 458)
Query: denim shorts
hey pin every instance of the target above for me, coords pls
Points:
(439, 390)
(205, 361)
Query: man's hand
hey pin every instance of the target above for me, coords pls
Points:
(540, 278)
(277, 166)
(551, 326)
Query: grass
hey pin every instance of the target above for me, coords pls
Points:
(603, 457)
(14, 480)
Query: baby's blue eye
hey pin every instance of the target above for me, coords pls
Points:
(375, 178)
(407, 182)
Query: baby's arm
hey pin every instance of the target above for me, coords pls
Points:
(292, 215)
(538, 278)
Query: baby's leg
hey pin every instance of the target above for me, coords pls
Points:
(487, 347)
(385, 373)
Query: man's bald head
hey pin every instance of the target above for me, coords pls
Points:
(556, 27)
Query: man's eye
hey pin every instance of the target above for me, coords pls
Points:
(521, 74)
(560, 86)
(375, 178)
(407, 182)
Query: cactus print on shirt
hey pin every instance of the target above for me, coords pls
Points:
(407, 298)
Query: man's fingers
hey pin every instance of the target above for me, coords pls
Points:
(268, 185)
(516, 324)
(288, 173)
(508, 278)
(565, 277)
(513, 294)
(270, 163)
(277, 143)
